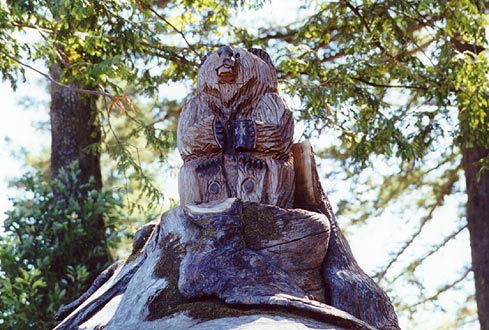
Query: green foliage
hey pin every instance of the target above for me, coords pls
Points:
(400, 85)
(399, 82)
(120, 50)
(385, 73)
(48, 252)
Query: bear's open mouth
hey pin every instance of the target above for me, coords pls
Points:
(224, 69)
(226, 73)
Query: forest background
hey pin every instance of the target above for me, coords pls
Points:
(393, 94)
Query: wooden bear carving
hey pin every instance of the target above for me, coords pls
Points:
(236, 134)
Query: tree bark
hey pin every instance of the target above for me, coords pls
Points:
(478, 224)
(347, 287)
(75, 127)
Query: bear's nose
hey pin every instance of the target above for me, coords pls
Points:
(225, 51)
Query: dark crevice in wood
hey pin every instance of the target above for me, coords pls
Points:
(292, 240)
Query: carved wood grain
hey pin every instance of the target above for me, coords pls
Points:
(347, 286)
(209, 127)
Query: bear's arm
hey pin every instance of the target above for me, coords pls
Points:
(195, 135)
(274, 126)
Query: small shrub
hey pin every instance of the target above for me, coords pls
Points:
(53, 248)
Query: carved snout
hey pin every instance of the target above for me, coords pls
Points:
(227, 54)
(227, 69)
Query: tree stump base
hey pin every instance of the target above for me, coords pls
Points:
(260, 261)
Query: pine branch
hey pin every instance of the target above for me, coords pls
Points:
(434, 249)
(387, 85)
(159, 49)
(57, 83)
(444, 289)
(359, 15)
(176, 30)
(447, 187)
(417, 48)
(21, 25)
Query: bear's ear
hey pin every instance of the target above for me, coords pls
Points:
(263, 55)
(203, 60)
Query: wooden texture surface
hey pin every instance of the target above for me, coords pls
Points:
(307, 183)
(347, 286)
(235, 135)
(182, 262)
(273, 250)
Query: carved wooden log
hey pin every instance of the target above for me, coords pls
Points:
(294, 239)
(347, 286)
(220, 264)
(274, 251)
(235, 135)
(143, 292)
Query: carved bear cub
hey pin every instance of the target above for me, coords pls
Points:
(236, 134)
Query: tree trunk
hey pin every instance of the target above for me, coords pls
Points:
(478, 224)
(74, 127)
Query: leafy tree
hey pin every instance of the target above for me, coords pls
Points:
(48, 244)
(99, 52)
(402, 81)
(95, 52)
(405, 80)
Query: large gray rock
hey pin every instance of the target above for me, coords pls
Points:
(232, 265)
